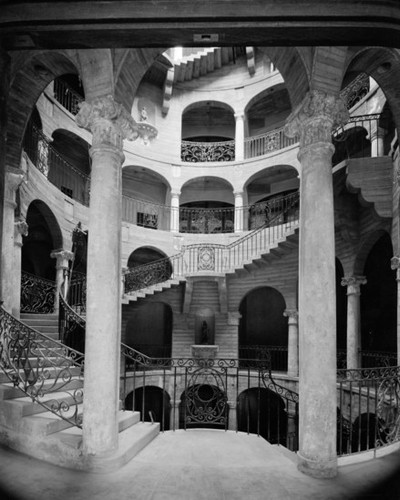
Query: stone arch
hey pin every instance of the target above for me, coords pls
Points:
(34, 73)
(204, 405)
(144, 255)
(208, 121)
(263, 412)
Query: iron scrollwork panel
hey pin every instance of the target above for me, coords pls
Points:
(37, 294)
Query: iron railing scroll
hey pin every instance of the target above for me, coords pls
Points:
(42, 367)
(206, 220)
(72, 327)
(66, 96)
(194, 152)
(37, 294)
(76, 294)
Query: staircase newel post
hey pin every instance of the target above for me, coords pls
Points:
(314, 120)
(109, 124)
(63, 257)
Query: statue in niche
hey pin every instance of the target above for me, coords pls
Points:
(205, 333)
(143, 114)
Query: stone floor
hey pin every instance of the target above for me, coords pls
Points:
(199, 464)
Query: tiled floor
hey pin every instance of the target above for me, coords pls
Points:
(199, 464)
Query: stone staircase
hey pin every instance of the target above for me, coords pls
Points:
(32, 428)
(152, 290)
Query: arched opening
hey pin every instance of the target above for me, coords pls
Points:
(271, 196)
(378, 303)
(354, 142)
(260, 411)
(43, 237)
(69, 92)
(206, 206)
(203, 406)
(341, 317)
(149, 329)
(263, 329)
(208, 132)
(153, 403)
(34, 143)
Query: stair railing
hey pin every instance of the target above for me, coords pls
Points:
(71, 326)
(40, 366)
(37, 294)
(216, 258)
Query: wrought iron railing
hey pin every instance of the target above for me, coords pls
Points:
(209, 257)
(76, 293)
(268, 142)
(355, 90)
(145, 213)
(275, 357)
(69, 179)
(40, 367)
(261, 213)
(368, 409)
(188, 392)
(194, 152)
(37, 294)
(66, 96)
(374, 359)
(72, 327)
(206, 220)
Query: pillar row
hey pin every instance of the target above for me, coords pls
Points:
(109, 123)
(313, 122)
(353, 346)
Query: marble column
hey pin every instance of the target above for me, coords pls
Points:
(109, 123)
(62, 266)
(313, 121)
(239, 136)
(175, 211)
(293, 342)
(13, 179)
(395, 265)
(377, 140)
(20, 230)
(353, 284)
(239, 219)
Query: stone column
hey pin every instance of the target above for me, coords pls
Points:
(20, 230)
(175, 211)
(395, 265)
(62, 265)
(109, 124)
(13, 179)
(353, 284)
(238, 211)
(377, 140)
(239, 136)
(313, 121)
(293, 342)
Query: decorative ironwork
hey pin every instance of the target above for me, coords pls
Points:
(148, 274)
(206, 258)
(388, 411)
(268, 142)
(40, 367)
(266, 357)
(67, 96)
(207, 151)
(355, 90)
(37, 294)
(266, 211)
(77, 293)
(72, 327)
(206, 220)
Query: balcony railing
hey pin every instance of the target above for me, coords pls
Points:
(70, 180)
(66, 96)
(207, 151)
(206, 220)
(267, 143)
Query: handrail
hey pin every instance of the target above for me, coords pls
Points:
(67, 96)
(71, 326)
(211, 257)
(40, 366)
(37, 294)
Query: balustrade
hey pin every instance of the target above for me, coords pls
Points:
(66, 96)
(207, 151)
(268, 142)
(206, 220)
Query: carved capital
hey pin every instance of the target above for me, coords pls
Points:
(20, 229)
(292, 314)
(314, 119)
(108, 121)
(353, 284)
(63, 257)
(395, 265)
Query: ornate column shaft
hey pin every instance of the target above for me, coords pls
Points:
(293, 342)
(175, 211)
(395, 265)
(20, 229)
(313, 121)
(238, 211)
(109, 124)
(239, 136)
(13, 179)
(62, 265)
(353, 284)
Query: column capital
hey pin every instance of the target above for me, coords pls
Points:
(292, 314)
(239, 115)
(63, 257)
(238, 193)
(176, 193)
(353, 284)
(108, 121)
(21, 227)
(314, 119)
(395, 265)
(14, 178)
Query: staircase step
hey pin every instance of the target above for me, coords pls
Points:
(24, 406)
(47, 422)
(9, 391)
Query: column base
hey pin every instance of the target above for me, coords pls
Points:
(319, 469)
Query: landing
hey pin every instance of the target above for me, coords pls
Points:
(192, 465)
